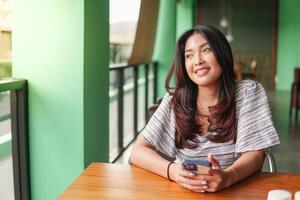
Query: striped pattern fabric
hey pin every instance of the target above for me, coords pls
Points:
(255, 129)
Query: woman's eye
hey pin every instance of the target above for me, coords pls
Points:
(207, 50)
(187, 56)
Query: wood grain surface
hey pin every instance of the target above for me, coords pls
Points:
(114, 181)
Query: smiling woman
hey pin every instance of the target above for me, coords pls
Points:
(208, 115)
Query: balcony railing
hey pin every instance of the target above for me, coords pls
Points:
(19, 131)
(130, 80)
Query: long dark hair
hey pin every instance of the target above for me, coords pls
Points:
(222, 118)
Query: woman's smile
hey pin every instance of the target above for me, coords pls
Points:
(202, 71)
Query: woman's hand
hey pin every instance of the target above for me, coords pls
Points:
(216, 180)
(187, 179)
(247, 164)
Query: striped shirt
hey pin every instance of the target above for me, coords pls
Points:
(255, 129)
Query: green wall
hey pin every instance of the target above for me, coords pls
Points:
(96, 81)
(173, 19)
(61, 48)
(165, 41)
(288, 43)
(185, 16)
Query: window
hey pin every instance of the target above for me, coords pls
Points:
(123, 22)
(123, 19)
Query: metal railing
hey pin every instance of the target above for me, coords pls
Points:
(120, 85)
(19, 129)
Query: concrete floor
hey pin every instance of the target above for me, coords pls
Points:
(287, 154)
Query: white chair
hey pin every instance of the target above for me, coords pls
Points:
(271, 161)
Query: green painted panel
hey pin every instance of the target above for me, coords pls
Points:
(165, 40)
(288, 43)
(50, 57)
(96, 75)
(185, 16)
(66, 65)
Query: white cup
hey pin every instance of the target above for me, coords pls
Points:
(297, 195)
(279, 195)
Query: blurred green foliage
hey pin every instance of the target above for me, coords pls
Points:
(5, 69)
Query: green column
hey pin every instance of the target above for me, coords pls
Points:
(165, 40)
(61, 48)
(288, 43)
(185, 16)
(96, 81)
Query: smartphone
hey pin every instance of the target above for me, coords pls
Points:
(197, 166)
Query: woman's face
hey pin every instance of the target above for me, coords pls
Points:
(200, 61)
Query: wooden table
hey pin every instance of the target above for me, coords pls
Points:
(113, 181)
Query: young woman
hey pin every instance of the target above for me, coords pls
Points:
(207, 116)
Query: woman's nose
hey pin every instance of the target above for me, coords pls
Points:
(198, 59)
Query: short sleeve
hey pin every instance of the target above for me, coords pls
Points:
(160, 130)
(255, 130)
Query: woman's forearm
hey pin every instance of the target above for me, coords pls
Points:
(145, 157)
(247, 164)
